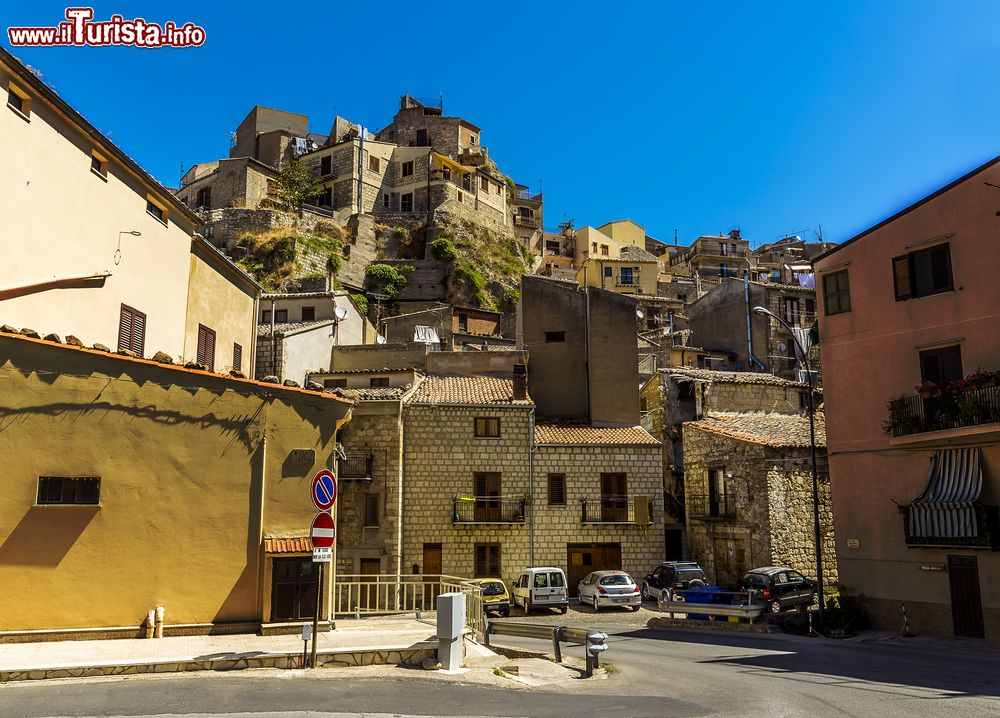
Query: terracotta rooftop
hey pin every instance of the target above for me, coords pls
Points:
(731, 377)
(383, 370)
(288, 545)
(775, 430)
(631, 253)
(6, 334)
(566, 433)
(466, 390)
(264, 330)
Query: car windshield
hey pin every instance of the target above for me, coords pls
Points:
(494, 588)
(689, 574)
(617, 579)
(555, 580)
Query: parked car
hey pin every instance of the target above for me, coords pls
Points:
(609, 588)
(669, 577)
(780, 587)
(542, 587)
(496, 599)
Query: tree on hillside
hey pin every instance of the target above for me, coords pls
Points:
(296, 185)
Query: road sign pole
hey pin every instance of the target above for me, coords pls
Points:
(319, 603)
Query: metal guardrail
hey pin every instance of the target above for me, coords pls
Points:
(355, 466)
(750, 611)
(589, 637)
(488, 510)
(916, 415)
(616, 510)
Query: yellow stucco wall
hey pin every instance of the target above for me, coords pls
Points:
(223, 306)
(194, 469)
(592, 274)
(625, 232)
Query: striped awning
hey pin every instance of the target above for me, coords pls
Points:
(947, 507)
(288, 545)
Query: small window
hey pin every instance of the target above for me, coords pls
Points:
(265, 316)
(463, 322)
(206, 347)
(308, 314)
(326, 197)
(156, 210)
(836, 292)
(407, 168)
(608, 272)
(472, 139)
(325, 166)
(484, 184)
(487, 560)
(557, 489)
(335, 383)
(941, 366)
(18, 100)
(487, 427)
(237, 357)
(69, 490)
(551, 337)
(385, 200)
(422, 137)
(923, 273)
(281, 316)
(371, 510)
(376, 381)
(374, 163)
(204, 198)
(98, 165)
(406, 202)
(131, 330)
(604, 250)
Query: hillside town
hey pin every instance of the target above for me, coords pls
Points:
(804, 434)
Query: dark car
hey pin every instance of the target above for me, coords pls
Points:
(780, 587)
(669, 577)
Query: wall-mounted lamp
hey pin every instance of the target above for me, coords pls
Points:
(118, 250)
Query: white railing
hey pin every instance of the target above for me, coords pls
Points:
(386, 594)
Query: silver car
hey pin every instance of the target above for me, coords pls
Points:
(609, 588)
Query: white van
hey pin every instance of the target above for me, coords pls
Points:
(543, 587)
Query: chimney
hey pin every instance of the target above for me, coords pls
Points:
(734, 234)
(520, 382)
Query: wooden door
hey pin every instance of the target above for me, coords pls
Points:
(966, 601)
(487, 506)
(431, 569)
(614, 497)
(581, 559)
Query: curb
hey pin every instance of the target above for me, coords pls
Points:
(712, 626)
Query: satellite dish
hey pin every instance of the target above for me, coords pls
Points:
(379, 339)
(639, 314)
(340, 313)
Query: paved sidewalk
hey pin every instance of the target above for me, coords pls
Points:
(354, 642)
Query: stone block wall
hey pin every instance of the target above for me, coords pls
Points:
(721, 396)
(376, 429)
(790, 506)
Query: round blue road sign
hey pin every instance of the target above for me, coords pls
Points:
(324, 490)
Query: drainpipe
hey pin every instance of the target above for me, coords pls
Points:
(751, 358)
(532, 448)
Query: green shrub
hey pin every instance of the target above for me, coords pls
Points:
(387, 276)
(444, 250)
(510, 300)
(362, 301)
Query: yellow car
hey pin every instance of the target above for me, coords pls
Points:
(496, 599)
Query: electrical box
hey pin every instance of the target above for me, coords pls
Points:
(450, 615)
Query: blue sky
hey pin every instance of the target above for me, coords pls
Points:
(772, 117)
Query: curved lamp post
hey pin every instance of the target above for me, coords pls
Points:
(817, 533)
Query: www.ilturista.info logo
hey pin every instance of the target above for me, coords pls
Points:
(80, 29)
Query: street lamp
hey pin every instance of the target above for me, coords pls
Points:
(118, 250)
(812, 445)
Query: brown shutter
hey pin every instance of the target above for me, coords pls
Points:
(901, 277)
(237, 357)
(138, 332)
(206, 347)
(125, 329)
(132, 330)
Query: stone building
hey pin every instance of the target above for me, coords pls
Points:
(488, 491)
(720, 257)
(723, 319)
(749, 495)
(240, 182)
(675, 395)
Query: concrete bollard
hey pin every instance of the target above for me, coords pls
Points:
(159, 621)
(150, 623)
(450, 628)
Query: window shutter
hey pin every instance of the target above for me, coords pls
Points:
(901, 277)
(480, 568)
(480, 485)
(125, 329)
(237, 357)
(138, 332)
(494, 560)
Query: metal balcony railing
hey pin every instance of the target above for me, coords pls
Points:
(988, 530)
(702, 506)
(356, 466)
(488, 510)
(527, 222)
(617, 510)
(916, 415)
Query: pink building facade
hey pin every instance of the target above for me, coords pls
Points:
(915, 473)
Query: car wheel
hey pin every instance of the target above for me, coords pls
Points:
(775, 606)
(645, 592)
(635, 609)
(563, 609)
(527, 607)
(597, 606)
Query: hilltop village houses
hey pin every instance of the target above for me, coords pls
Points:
(617, 405)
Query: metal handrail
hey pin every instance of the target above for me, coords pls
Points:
(556, 634)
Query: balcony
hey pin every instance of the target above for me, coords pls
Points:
(634, 510)
(987, 530)
(712, 508)
(910, 415)
(488, 510)
(355, 467)
(530, 222)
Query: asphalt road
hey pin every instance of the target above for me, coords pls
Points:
(658, 673)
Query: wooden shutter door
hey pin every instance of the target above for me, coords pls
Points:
(125, 329)
(901, 277)
(206, 347)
